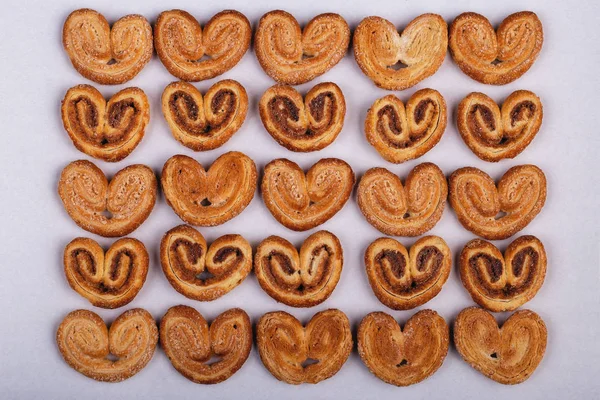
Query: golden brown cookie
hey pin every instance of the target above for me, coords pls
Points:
(508, 355)
(107, 209)
(213, 197)
(409, 210)
(202, 354)
(293, 56)
(495, 57)
(301, 202)
(494, 134)
(420, 50)
(204, 124)
(192, 53)
(104, 55)
(303, 125)
(296, 354)
(85, 344)
(403, 280)
(400, 134)
(497, 212)
(503, 283)
(403, 357)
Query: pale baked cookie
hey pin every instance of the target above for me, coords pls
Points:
(192, 53)
(421, 49)
(104, 55)
(293, 56)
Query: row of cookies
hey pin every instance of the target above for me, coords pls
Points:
(294, 56)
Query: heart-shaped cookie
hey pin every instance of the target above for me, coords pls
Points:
(108, 280)
(508, 355)
(503, 283)
(108, 210)
(492, 212)
(404, 280)
(420, 50)
(192, 346)
(104, 55)
(495, 58)
(403, 357)
(194, 54)
(213, 197)
(204, 124)
(296, 354)
(301, 202)
(303, 125)
(85, 344)
(299, 280)
(409, 210)
(292, 56)
(400, 134)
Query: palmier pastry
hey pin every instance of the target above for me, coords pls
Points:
(190, 344)
(104, 55)
(213, 197)
(85, 344)
(404, 280)
(497, 212)
(105, 130)
(301, 202)
(303, 125)
(500, 57)
(403, 357)
(400, 134)
(203, 273)
(503, 283)
(108, 280)
(508, 355)
(292, 56)
(204, 124)
(296, 354)
(107, 209)
(182, 45)
(409, 210)
(302, 279)
(421, 49)
(494, 134)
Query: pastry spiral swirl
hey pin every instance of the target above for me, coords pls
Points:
(204, 124)
(108, 280)
(400, 134)
(88, 197)
(104, 55)
(286, 348)
(109, 130)
(508, 355)
(190, 344)
(421, 49)
(185, 257)
(500, 57)
(301, 202)
(181, 43)
(404, 280)
(85, 344)
(213, 197)
(494, 134)
(292, 56)
(409, 210)
(303, 125)
(302, 279)
(503, 283)
(497, 212)
(403, 357)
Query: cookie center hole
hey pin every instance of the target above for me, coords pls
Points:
(496, 62)
(494, 355)
(402, 363)
(501, 214)
(204, 275)
(399, 65)
(112, 357)
(213, 359)
(106, 214)
(112, 61)
(205, 203)
(309, 361)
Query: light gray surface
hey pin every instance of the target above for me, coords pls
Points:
(35, 74)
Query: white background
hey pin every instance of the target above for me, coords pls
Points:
(35, 74)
